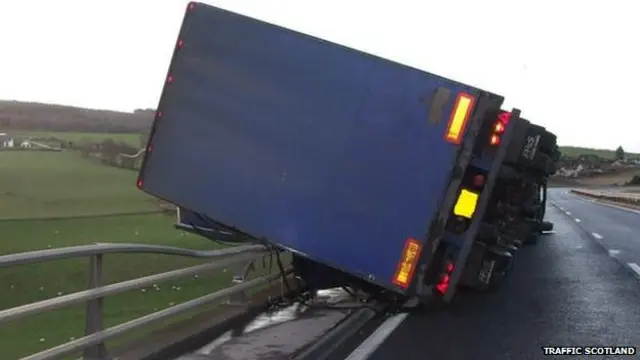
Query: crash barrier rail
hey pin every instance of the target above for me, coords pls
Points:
(92, 344)
(618, 197)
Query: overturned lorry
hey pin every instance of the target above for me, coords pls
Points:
(373, 174)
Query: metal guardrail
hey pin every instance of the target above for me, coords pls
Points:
(92, 344)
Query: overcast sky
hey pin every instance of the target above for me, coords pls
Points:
(572, 66)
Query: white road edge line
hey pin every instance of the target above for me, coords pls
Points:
(597, 236)
(607, 204)
(568, 213)
(617, 207)
(635, 267)
(614, 252)
(370, 344)
(577, 220)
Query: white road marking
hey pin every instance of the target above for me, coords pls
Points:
(635, 267)
(597, 236)
(370, 344)
(568, 213)
(577, 220)
(614, 252)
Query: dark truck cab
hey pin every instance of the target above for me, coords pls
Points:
(371, 173)
(516, 210)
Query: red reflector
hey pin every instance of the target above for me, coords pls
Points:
(169, 79)
(443, 284)
(139, 183)
(442, 288)
(159, 113)
(478, 180)
(495, 140)
(449, 268)
(180, 43)
(191, 6)
(504, 117)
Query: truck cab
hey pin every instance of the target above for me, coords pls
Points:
(515, 215)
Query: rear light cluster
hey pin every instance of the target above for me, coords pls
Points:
(499, 128)
(462, 110)
(169, 80)
(408, 262)
(445, 278)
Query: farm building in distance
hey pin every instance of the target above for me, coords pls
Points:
(6, 141)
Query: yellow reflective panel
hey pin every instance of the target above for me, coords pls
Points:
(466, 204)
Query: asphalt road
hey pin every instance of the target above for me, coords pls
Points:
(616, 229)
(565, 291)
(568, 290)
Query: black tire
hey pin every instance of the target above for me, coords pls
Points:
(546, 226)
(547, 142)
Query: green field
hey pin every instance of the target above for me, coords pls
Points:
(574, 151)
(37, 184)
(132, 139)
(61, 184)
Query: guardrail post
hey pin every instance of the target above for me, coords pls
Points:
(93, 315)
(240, 298)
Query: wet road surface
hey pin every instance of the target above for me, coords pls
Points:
(564, 291)
(277, 334)
(616, 229)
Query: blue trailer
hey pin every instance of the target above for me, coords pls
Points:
(372, 173)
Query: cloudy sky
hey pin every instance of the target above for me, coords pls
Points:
(572, 66)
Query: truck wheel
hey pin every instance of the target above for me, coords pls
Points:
(547, 142)
(517, 243)
(509, 247)
(546, 226)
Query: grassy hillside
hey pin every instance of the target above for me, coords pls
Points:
(17, 115)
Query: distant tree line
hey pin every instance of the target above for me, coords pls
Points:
(16, 115)
(110, 152)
